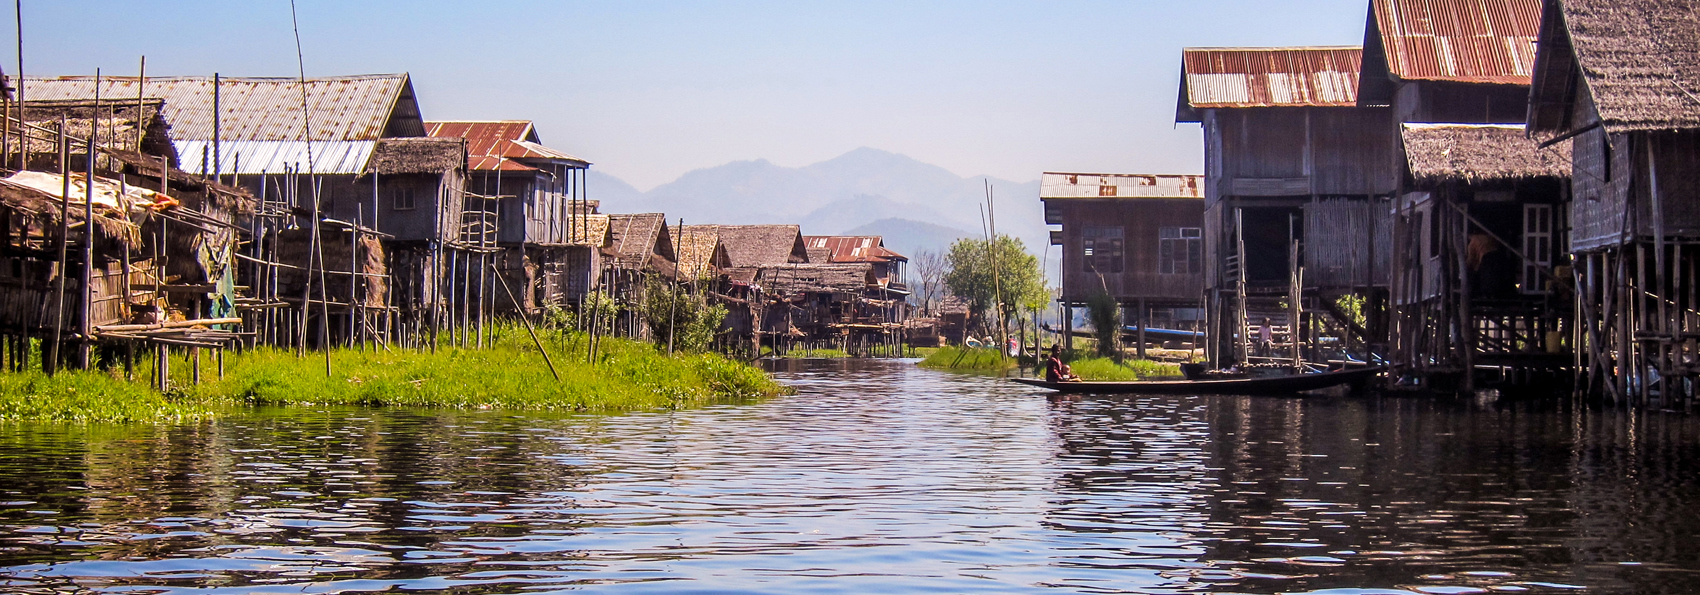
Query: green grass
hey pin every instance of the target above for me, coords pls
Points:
(952, 357)
(1103, 368)
(91, 397)
(510, 374)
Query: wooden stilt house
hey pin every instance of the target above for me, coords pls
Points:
(547, 244)
(1475, 249)
(1138, 238)
(304, 149)
(1296, 189)
(1480, 228)
(639, 246)
(1621, 78)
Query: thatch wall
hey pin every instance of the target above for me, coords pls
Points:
(295, 248)
(699, 250)
(1437, 153)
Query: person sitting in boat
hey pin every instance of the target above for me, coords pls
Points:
(1056, 370)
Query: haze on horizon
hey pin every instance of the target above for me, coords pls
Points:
(651, 90)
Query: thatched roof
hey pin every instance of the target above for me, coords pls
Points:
(699, 249)
(763, 245)
(1477, 153)
(633, 238)
(417, 155)
(1640, 60)
(819, 254)
(125, 124)
(852, 277)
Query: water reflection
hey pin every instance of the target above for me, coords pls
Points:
(875, 477)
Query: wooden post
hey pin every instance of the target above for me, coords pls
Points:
(50, 360)
(1141, 318)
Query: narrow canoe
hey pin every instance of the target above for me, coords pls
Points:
(1268, 385)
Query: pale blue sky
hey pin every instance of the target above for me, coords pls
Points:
(650, 90)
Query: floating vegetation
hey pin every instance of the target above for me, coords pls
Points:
(509, 373)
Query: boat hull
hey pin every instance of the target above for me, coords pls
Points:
(1273, 385)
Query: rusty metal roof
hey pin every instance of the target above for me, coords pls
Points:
(1067, 185)
(497, 144)
(1268, 77)
(340, 108)
(853, 248)
(1468, 41)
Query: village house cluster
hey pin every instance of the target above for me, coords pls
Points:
(1486, 193)
(315, 212)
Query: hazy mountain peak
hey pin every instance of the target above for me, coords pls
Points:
(834, 196)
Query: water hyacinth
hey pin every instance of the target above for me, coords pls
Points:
(508, 374)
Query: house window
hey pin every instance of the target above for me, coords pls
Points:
(1180, 250)
(401, 199)
(1537, 246)
(1101, 249)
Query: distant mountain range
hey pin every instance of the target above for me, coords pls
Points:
(914, 205)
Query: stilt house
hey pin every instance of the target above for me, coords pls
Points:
(1477, 198)
(305, 150)
(1296, 186)
(1138, 238)
(1622, 79)
(529, 201)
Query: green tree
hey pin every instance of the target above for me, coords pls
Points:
(1019, 283)
(688, 318)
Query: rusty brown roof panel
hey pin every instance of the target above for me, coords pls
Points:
(493, 145)
(853, 248)
(1271, 77)
(1468, 41)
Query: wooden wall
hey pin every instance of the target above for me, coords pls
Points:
(1300, 152)
(1348, 243)
(1141, 220)
(1442, 101)
(1614, 183)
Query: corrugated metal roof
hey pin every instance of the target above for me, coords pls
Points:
(1469, 41)
(1270, 77)
(262, 156)
(853, 248)
(260, 108)
(1067, 185)
(493, 145)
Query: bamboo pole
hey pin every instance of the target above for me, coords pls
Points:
(528, 329)
(84, 312)
(50, 362)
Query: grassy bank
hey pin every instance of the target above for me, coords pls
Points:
(510, 374)
(1103, 368)
(952, 357)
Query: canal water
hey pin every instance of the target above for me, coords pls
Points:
(876, 477)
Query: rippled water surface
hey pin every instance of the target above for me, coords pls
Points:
(875, 477)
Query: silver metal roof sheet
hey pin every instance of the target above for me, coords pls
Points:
(258, 108)
(260, 156)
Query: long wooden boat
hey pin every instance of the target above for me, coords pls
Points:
(1267, 385)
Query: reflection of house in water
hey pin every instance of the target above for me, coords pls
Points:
(1290, 158)
(1137, 237)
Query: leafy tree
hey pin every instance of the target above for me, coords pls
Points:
(1105, 315)
(1019, 283)
(692, 321)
